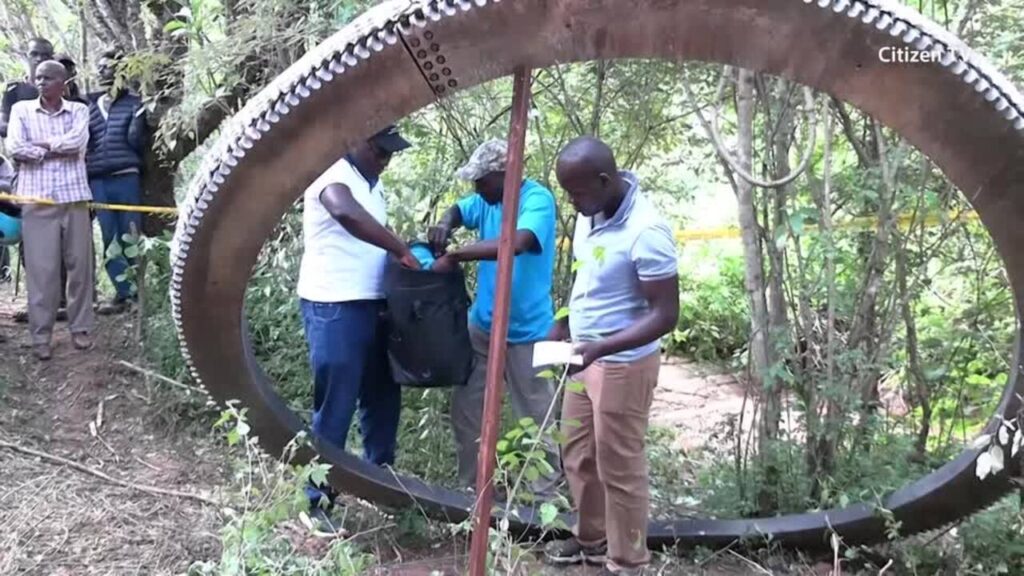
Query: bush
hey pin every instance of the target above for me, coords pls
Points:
(714, 322)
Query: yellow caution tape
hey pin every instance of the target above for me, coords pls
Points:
(166, 210)
(859, 223)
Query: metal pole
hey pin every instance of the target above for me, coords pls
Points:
(499, 326)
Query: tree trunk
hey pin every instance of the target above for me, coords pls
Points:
(915, 373)
(760, 357)
(782, 142)
(824, 418)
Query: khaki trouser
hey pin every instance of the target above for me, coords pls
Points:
(604, 456)
(531, 396)
(51, 235)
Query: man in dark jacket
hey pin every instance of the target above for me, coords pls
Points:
(117, 146)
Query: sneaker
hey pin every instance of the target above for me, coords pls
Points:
(81, 341)
(570, 551)
(42, 351)
(113, 306)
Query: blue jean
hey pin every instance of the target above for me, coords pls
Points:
(348, 357)
(120, 189)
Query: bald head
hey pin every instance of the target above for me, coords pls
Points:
(589, 153)
(53, 67)
(50, 78)
(586, 169)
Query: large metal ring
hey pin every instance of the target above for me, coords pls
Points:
(401, 55)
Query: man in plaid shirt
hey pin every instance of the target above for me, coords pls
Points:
(48, 138)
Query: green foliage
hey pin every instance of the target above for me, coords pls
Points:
(261, 536)
(713, 312)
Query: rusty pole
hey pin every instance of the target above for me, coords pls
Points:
(499, 325)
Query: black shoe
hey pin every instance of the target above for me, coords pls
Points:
(570, 551)
(62, 314)
(325, 521)
(113, 306)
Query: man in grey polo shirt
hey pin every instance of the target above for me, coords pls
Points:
(624, 299)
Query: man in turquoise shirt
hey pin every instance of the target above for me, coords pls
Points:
(531, 315)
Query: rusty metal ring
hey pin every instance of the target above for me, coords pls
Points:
(959, 111)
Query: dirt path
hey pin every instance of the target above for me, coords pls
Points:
(58, 520)
(695, 401)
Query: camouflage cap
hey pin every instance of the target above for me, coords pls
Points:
(488, 157)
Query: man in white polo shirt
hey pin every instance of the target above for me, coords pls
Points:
(346, 247)
(624, 299)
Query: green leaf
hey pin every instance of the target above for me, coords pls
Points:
(575, 386)
(599, 254)
(532, 474)
(546, 374)
(225, 415)
(502, 445)
(173, 25)
(131, 251)
(318, 475)
(233, 437)
(526, 422)
(242, 427)
(562, 312)
(576, 265)
(796, 224)
(121, 277)
(548, 513)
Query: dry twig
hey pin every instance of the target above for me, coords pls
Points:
(103, 476)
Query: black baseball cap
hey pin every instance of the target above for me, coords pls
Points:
(390, 140)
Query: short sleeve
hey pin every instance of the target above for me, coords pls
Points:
(537, 214)
(472, 210)
(654, 254)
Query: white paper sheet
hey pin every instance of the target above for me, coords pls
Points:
(551, 352)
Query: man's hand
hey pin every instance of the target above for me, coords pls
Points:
(559, 332)
(591, 352)
(438, 237)
(407, 260)
(444, 264)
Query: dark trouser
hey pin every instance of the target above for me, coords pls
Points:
(348, 356)
(119, 189)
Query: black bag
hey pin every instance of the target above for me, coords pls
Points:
(428, 336)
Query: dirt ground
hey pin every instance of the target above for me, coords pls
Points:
(85, 407)
(693, 400)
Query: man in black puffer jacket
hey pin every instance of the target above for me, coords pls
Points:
(117, 146)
